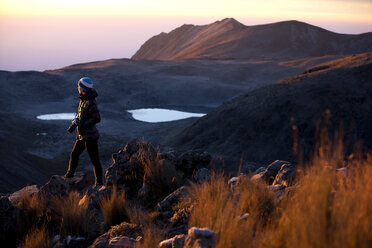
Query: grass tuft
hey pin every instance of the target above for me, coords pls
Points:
(114, 208)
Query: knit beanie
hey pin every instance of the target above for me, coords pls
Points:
(85, 83)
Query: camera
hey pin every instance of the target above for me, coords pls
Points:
(74, 124)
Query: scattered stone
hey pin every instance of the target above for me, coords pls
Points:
(259, 170)
(76, 242)
(273, 169)
(275, 187)
(200, 237)
(168, 201)
(235, 181)
(202, 175)
(124, 229)
(177, 241)
(285, 175)
(243, 218)
(123, 242)
(102, 241)
(26, 191)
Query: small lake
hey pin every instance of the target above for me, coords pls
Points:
(154, 115)
(61, 116)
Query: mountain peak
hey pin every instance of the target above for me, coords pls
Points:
(227, 21)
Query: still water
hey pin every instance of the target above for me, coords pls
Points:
(152, 115)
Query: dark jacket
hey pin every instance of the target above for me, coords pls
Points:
(88, 115)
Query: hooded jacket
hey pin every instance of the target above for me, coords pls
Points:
(89, 116)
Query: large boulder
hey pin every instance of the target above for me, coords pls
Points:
(80, 181)
(191, 161)
(26, 191)
(200, 238)
(127, 169)
(167, 203)
(56, 186)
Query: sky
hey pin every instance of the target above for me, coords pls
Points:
(50, 34)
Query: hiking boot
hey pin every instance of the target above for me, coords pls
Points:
(97, 185)
(68, 175)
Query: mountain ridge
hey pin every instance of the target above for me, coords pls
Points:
(230, 39)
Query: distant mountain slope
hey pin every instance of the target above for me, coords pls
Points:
(260, 123)
(229, 39)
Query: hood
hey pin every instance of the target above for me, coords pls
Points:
(90, 95)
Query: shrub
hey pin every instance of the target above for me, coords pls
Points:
(114, 208)
(37, 238)
(75, 218)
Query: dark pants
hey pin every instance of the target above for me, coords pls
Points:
(92, 148)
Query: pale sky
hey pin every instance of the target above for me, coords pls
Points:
(48, 34)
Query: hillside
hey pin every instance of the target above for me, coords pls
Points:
(260, 123)
(229, 39)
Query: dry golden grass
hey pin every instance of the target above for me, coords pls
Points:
(161, 175)
(37, 238)
(326, 208)
(75, 219)
(114, 208)
(219, 209)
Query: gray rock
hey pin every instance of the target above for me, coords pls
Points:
(102, 241)
(243, 218)
(80, 181)
(273, 169)
(200, 237)
(123, 242)
(190, 161)
(259, 170)
(202, 175)
(168, 201)
(125, 229)
(28, 191)
(177, 241)
(56, 186)
(285, 175)
(235, 181)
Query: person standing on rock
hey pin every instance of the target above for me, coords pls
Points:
(87, 134)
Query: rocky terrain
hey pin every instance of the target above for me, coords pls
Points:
(153, 199)
(229, 39)
(161, 188)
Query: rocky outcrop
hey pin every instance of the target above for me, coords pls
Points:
(123, 235)
(26, 191)
(144, 173)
